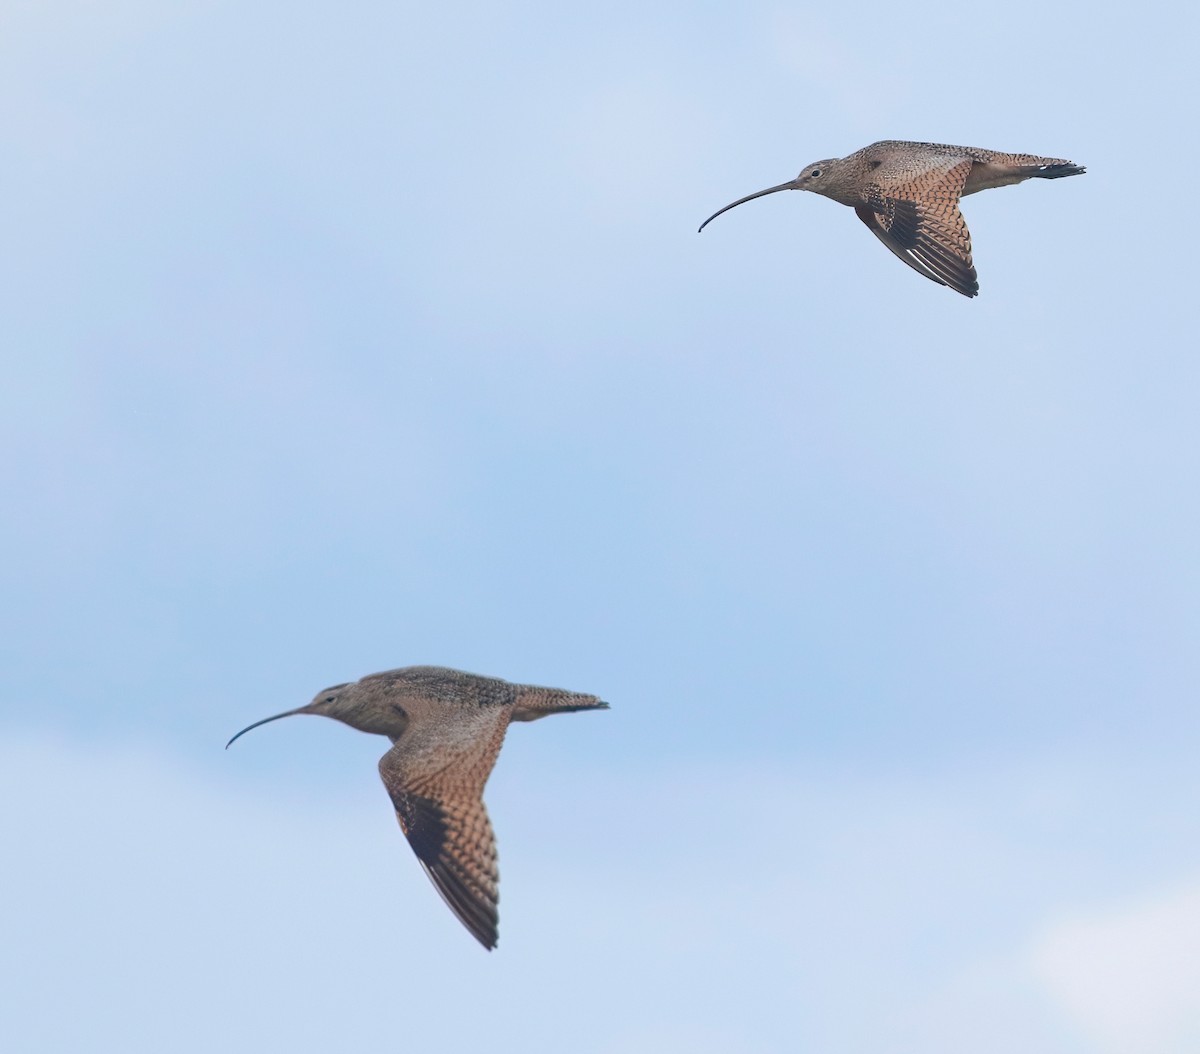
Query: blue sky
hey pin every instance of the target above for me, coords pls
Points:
(344, 338)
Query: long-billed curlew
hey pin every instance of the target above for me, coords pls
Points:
(907, 194)
(446, 728)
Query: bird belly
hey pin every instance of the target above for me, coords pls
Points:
(984, 176)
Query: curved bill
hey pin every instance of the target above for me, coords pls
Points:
(286, 713)
(789, 185)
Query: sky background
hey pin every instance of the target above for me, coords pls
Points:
(345, 337)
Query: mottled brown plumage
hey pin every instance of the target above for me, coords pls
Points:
(907, 194)
(446, 728)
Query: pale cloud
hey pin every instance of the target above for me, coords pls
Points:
(1129, 976)
(750, 913)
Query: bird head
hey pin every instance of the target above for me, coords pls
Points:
(814, 177)
(329, 702)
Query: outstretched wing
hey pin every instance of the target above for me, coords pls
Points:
(437, 789)
(454, 842)
(919, 220)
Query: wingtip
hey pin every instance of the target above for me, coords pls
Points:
(487, 935)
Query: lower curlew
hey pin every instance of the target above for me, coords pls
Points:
(446, 729)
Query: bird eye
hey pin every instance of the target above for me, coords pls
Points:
(815, 172)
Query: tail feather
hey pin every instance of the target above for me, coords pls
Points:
(1058, 171)
(533, 702)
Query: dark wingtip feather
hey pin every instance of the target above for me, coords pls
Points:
(480, 917)
(424, 824)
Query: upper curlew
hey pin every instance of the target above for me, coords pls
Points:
(907, 194)
(446, 729)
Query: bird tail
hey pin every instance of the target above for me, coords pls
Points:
(533, 702)
(1057, 171)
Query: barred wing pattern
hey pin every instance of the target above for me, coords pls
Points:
(437, 790)
(921, 223)
(454, 842)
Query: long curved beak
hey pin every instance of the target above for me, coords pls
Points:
(791, 184)
(286, 713)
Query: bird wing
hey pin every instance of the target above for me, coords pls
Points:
(437, 789)
(919, 220)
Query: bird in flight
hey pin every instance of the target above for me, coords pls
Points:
(907, 194)
(446, 729)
